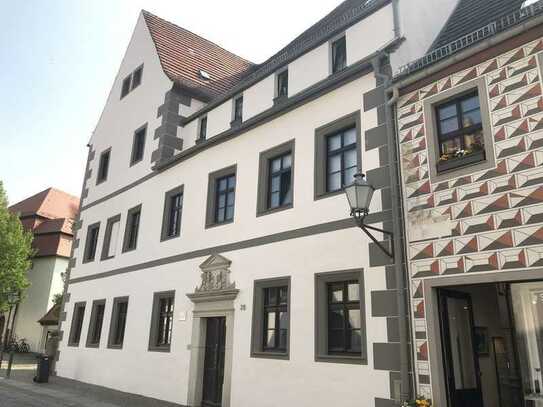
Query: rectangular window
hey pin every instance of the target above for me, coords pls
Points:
(275, 319)
(162, 321)
(103, 167)
(77, 323)
(339, 54)
(132, 81)
(221, 196)
(96, 322)
(341, 159)
(282, 84)
(110, 237)
(132, 229)
(138, 145)
(238, 109)
(225, 198)
(460, 132)
(203, 129)
(91, 242)
(271, 318)
(280, 181)
(126, 86)
(136, 77)
(344, 318)
(337, 155)
(340, 317)
(173, 209)
(118, 322)
(276, 178)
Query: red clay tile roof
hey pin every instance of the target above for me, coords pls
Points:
(51, 203)
(51, 317)
(183, 54)
(61, 225)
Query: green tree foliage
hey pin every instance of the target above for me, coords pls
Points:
(15, 252)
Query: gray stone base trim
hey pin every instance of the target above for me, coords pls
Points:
(384, 303)
(377, 257)
(374, 98)
(376, 137)
(385, 403)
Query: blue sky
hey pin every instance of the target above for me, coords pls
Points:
(58, 59)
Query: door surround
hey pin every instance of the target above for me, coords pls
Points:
(213, 298)
(432, 317)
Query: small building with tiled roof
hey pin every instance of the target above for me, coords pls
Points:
(49, 215)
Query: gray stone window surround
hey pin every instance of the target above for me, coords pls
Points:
(211, 195)
(99, 178)
(432, 135)
(133, 159)
(88, 242)
(331, 41)
(126, 236)
(71, 340)
(257, 327)
(264, 179)
(167, 209)
(277, 100)
(321, 316)
(93, 321)
(153, 333)
(107, 237)
(237, 121)
(113, 322)
(321, 134)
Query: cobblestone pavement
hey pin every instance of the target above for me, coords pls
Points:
(20, 391)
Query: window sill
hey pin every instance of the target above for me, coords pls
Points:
(166, 238)
(213, 225)
(456, 163)
(73, 344)
(126, 250)
(165, 349)
(117, 347)
(270, 355)
(200, 140)
(328, 194)
(85, 261)
(274, 210)
(353, 360)
(101, 181)
(132, 163)
(234, 124)
(279, 100)
(92, 345)
(107, 258)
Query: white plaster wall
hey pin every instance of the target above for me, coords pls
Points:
(259, 97)
(45, 281)
(218, 119)
(420, 24)
(309, 69)
(369, 35)
(244, 151)
(165, 375)
(120, 118)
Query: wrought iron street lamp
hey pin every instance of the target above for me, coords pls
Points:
(359, 195)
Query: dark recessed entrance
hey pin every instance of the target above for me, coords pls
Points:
(214, 362)
(492, 342)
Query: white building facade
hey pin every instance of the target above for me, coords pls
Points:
(215, 262)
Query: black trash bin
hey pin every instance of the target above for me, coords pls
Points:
(42, 371)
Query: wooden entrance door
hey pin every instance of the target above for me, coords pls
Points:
(461, 362)
(214, 362)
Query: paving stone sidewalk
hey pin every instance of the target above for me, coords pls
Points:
(20, 391)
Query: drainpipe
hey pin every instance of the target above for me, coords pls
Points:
(397, 226)
(396, 18)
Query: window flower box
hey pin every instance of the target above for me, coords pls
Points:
(461, 161)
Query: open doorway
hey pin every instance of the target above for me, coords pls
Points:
(492, 344)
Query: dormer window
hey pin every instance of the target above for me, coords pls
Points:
(204, 75)
(339, 54)
(132, 81)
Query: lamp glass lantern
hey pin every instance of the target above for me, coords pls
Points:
(359, 195)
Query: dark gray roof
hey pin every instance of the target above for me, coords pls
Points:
(471, 15)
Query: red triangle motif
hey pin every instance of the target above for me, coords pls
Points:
(537, 48)
(500, 134)
(501, 104)
(493, 66)
(518, 55)
(446, 85)
(469, 76)
(495, 91)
